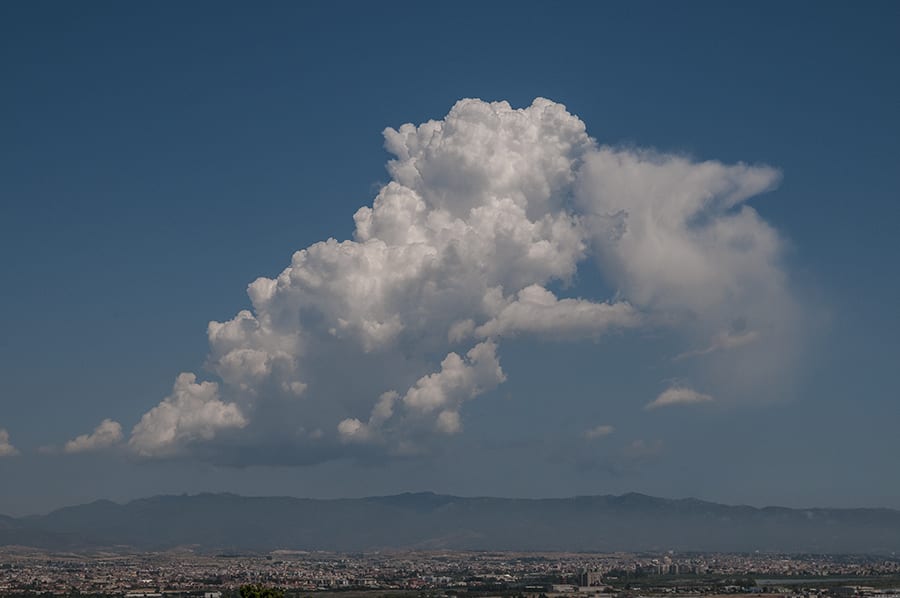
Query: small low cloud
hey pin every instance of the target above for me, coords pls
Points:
(678, 395)
(599, 432)
(105, 435)
(6, 449)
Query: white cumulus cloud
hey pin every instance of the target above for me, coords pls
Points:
(193, 412)
(678, 395)
(489, 214)
(105, 435)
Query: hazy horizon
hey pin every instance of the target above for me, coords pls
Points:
(125, 501)
(631, 522)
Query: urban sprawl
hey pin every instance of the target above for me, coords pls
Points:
(434, 574)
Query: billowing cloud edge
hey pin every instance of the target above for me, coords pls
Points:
(106, 435)
(486, 211)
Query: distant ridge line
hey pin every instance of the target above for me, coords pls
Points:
(429, 493)
(426, 520)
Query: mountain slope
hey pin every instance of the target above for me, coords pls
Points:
(425, 520)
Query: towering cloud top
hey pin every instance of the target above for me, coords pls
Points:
(376, 343)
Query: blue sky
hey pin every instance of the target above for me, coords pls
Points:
(158, 159)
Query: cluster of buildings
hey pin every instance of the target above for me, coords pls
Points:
(435, 573)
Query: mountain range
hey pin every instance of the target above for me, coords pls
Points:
(425, 521)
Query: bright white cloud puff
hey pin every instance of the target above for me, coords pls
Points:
(192, 413)
(105, 435)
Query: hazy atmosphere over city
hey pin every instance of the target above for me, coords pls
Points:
(503, 249)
